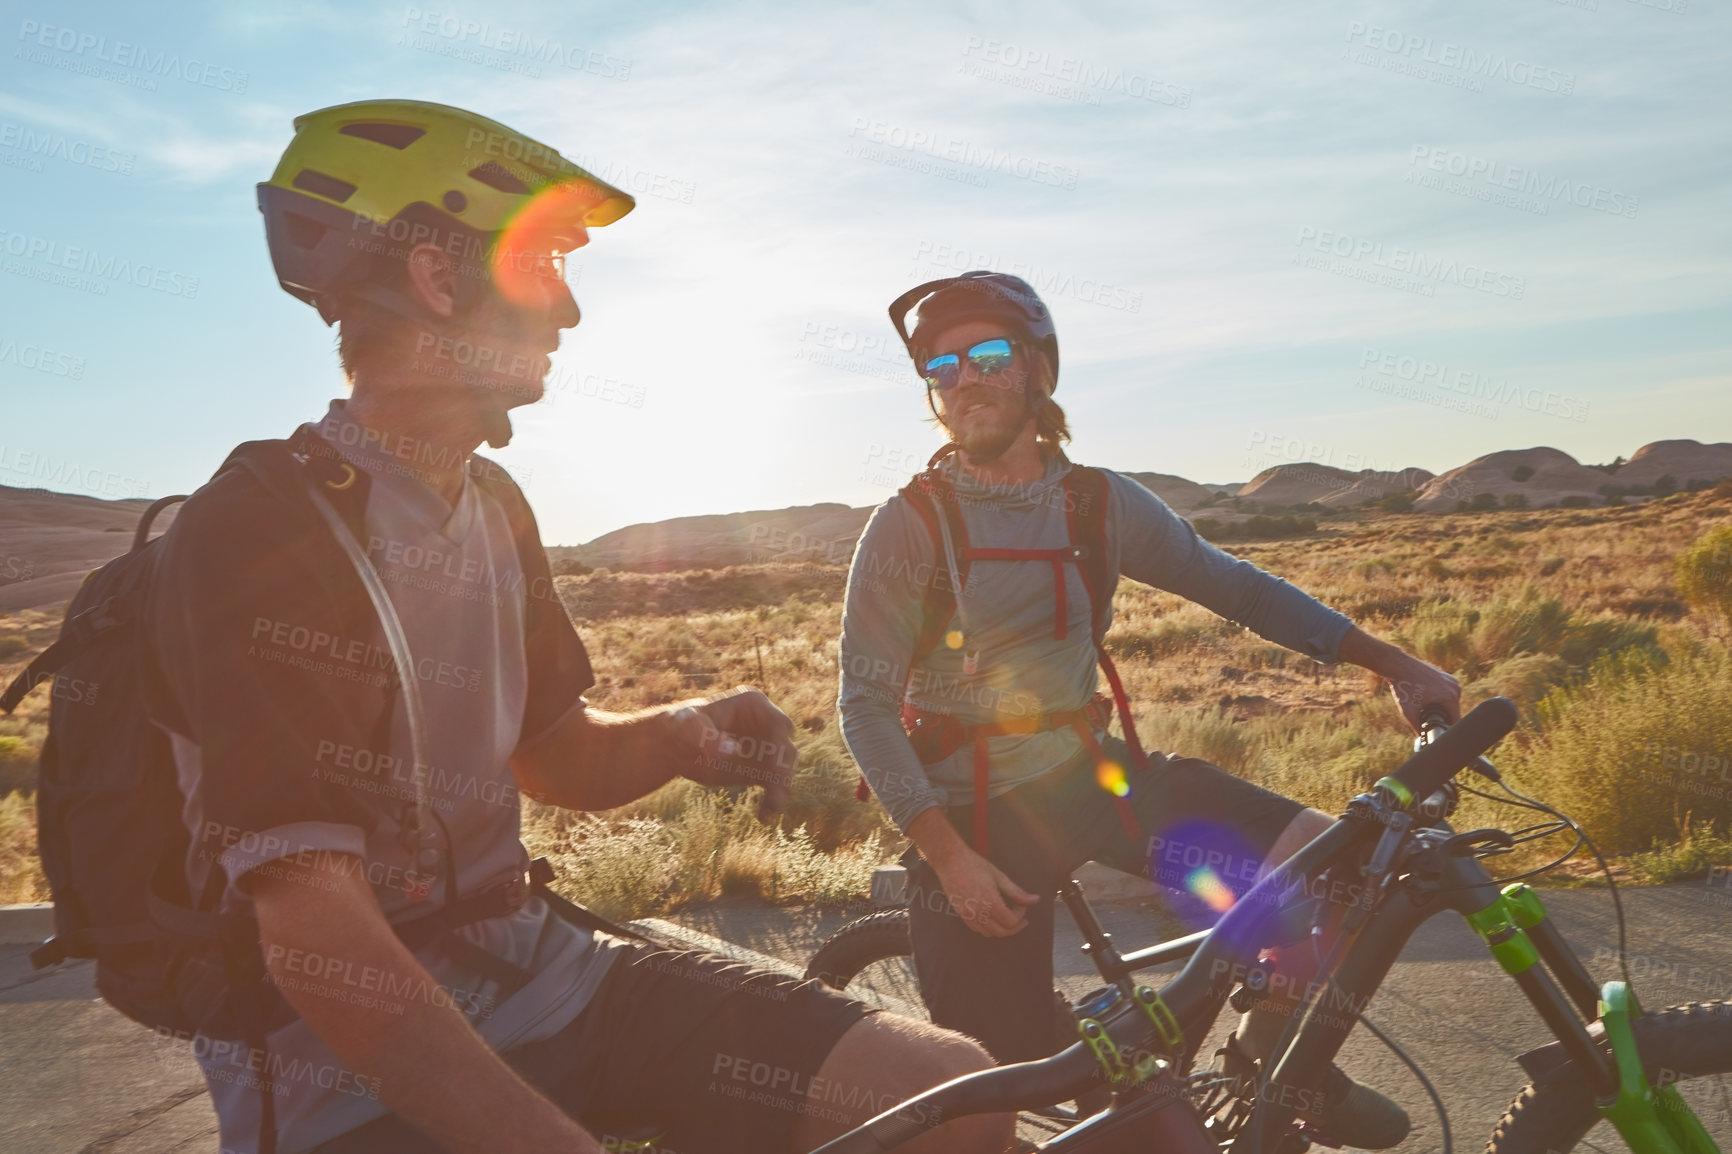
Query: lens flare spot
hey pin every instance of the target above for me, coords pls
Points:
(1111, 776)
(1204, 883)
(953, 639)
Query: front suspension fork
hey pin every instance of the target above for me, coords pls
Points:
(1652, 1121)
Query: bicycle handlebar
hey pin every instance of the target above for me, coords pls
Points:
(1456, 747)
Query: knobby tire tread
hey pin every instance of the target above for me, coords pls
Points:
(1554, 1113)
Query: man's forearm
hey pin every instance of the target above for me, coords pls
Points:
(937, 839)
(1380, 657)
(598, 760)
(416, 1046)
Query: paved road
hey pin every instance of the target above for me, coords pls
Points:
(75, 1076)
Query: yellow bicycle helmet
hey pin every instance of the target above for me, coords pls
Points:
(375, 178)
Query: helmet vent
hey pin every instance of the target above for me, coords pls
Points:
(394, 135)
(319, 184)
(495, 175)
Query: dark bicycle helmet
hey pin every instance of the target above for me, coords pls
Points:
(924, 311)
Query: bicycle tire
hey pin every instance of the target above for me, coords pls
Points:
(1556, 1112)
(874, 938)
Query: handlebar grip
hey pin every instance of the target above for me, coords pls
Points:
(1450, 752)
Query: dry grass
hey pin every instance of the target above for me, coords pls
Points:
(1576, 614)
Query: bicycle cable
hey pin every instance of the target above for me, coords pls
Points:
(1436, 1101)
(1523, 801)
(1611, 882)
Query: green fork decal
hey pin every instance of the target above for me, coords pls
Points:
(1651, 1121)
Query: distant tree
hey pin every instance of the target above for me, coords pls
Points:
(1515, 500)
(1704, 572)
(1617, 463)
(1614, 493)
(1665, 485)
(1521, 473)
(1576, 501)
(571, 567)
(1401, 502)
(1483, 501)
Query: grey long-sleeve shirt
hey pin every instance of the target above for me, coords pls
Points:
(1001, 659)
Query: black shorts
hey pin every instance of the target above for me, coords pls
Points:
(680, 1051)
(1189, 825)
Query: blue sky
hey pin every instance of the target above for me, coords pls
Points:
(1371, 235)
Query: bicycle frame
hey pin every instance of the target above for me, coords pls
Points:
(1439, 877)
(1409, 876)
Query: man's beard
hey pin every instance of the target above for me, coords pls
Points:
(985, 445)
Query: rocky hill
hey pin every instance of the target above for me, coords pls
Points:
(1683, 461)
(1301, 484)
(48, 540)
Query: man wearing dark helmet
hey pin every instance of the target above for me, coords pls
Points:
(387, 979)
(970, 641)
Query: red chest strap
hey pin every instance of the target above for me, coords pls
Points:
(1071, 553)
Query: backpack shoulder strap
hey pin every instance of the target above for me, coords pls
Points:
(1085, 491)
(931, 495)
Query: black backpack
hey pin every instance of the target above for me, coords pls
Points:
(106, 791)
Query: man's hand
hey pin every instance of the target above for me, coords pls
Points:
(741, 739)
(1422, 686)
(982, 895)
(1417, 685)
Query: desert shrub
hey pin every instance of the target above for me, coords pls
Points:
(1209, 734)
(1322, 759)
(1515, 501)
(1482, 501)
(1469, 640)
(1639, 747)
(13, 645)
(640, 866)
(1400, 502)
(1692, 855)
(21, 877)
(1524, 679)
(1173, 633)
(1704, 573)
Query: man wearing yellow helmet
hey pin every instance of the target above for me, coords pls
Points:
(388, 982)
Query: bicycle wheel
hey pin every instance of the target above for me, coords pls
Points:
(872, 959)
(1688, 1045)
